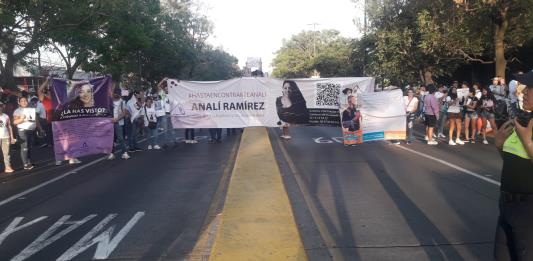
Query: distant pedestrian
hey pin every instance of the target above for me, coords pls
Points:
(431, 111)
(150, 123)
(441, 95)
(119, 114)
(136, 112)
(189, 136)
(488, 102)
(45, 98)
(454, 116)
(6, 138)
(513, 97)
(216, 135)
(411, 106)
(471, 116)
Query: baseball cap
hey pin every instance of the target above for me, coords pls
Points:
(525, 78)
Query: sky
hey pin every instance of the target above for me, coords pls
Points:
(252, 28)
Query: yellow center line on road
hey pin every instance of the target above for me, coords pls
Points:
(257, 220)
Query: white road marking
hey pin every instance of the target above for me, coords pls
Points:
(105, 244)
(468, 172)
(12, 227)
(46, 238)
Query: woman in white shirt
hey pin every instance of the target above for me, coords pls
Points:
(454, 116)
(150, 122)
(6, 138)
(26, 122)
(411, 106)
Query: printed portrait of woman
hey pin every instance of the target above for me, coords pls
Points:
(291, 106)
(83, 96)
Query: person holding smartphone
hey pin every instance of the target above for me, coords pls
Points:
(514, 140)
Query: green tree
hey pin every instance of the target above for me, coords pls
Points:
(325, 51)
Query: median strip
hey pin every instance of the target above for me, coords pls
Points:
(257, 220)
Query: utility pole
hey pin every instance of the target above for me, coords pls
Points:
(314, 43)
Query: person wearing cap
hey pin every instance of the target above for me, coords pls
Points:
(514, 140)
(6, 138)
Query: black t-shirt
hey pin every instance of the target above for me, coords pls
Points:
(517, 174)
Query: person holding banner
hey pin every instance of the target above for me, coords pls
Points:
(26, 122)
(6, 138)
(136, 112)
(411, 106)
(119, 113)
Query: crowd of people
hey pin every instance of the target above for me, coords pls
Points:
(462, 114)
(26, 121)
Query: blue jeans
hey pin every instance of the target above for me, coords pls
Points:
(119, 135)
(216, 134)
(152, 136)
(26, 138)
(442, 122)
(133, 134)
(189, 134)
(164, 123)
(410, 124)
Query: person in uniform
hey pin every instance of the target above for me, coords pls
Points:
(514, 140)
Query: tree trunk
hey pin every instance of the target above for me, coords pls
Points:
(499, 45)
(7, 80)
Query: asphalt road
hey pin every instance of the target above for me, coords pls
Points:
(378, 201)
(375, 201)
(154, 206)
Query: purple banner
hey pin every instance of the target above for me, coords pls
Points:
(82, 122)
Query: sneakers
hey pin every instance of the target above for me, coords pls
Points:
(111, 156)
(459, 141)
(187, 141)
(441, 135)
(287, 137)
(485, 142)
(193, 141)
(433, 142)
(125, 155)
(28, 166)
(74, 161)
(156, 147)
(451, 143)
(426, 138)
(149, 147)
(59, 163)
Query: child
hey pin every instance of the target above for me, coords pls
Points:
(6, 138)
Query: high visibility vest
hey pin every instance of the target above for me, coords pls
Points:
(514, 146)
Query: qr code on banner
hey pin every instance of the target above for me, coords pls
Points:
(327, 94)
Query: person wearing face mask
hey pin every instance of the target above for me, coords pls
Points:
(514, 140)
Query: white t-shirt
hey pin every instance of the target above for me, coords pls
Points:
(454, 106)
(118, 111)
(159, 108)
(135, 111)
(166, 102)
(410, 106)
(151, 115)
(29, 120)
(4, 123)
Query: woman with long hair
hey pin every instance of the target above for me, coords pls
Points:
(291, 107)
(454, 116)
(488, 101)
(471, 115)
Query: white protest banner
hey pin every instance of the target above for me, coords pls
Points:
(383, 115)
(246, 102)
